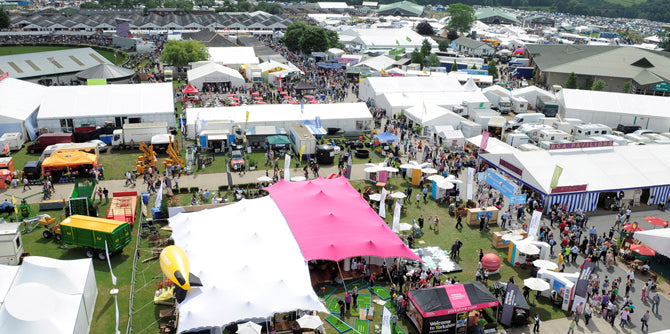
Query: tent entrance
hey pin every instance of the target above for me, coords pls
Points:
(216, 87)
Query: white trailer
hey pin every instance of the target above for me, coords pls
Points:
(499, 100)
(584, 131)
(11, 244)
(516, 139)
(470, 129)
(14, 139)
(553, 135)
(134, 134)
(519, 104)
(299, 136)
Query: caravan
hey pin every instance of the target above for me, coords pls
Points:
(11, 244)
(584, 131)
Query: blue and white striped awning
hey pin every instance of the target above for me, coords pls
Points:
(573, 201)
(314, 129)
(591, 202)
(658, 195)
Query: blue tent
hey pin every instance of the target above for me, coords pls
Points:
(386, 137)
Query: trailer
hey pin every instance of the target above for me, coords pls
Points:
(11, 244)
(123, 206)
(95, 234)
(133, 134)
(14, 140)
(81, 199)
(300, 137)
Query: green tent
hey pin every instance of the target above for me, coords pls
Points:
(278, 140)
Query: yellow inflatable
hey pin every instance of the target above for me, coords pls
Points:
(175, 266)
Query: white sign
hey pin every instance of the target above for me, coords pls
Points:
(287, 167)
(535, 223)
(382, 204)
(471, 180)
(396, 216)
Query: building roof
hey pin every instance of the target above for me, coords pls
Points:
(105, 71)
(16, 103)
(332, 5)
(402, 7)
(38, 64)
(209, 38)
(647, 66)
(614, 103)
(233, 55)
(386, 38)
(484, 13)
(469, 43)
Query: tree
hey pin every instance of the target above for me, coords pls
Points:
(627, 86)
(416, 57)
(180, 53)
(244, 5)
(85, 5)
(149, 4)
(425, 48)
(444, 45)
(293, 35)
(598, 85)
(588, 84)
(4, 19)
(454, 67)
(314, 39)
(272, 8)
(462, 17)
(333, 39)
(452, 35)
(664, 36)
(433, 61)
(493, 69)
(424, 28)
(572, 81)
(474, 67)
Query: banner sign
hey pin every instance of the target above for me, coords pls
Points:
(557, 174)
(485, 141)
(535, 223)
(518, 199)
(514, 169)
(471, 179)
(583, 282)
(500, 183)
(508, 304)
(569, 189)
(588, 144)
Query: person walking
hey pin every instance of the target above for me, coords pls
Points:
(654, 302)
(26, 184)
(106, 193)
(571, 329)
(459, 220)
(624, 317)
(347, 302)
(504, 218)
(354, 296)
(394, 322)
(578, 311)
(588, 312)
(645, 320)
(537, 322)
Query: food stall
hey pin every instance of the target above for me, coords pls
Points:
(474, 214)
(66, 166)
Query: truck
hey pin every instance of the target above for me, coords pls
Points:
(131, 135)
(41, 142)
(546, 105)
(11, 244)
(161, 142)
(168, 75)
(517, 62)
(6, 171)
(523, 72)
(529, 118)
(94, 233)
(12, 140)
(499, 100)
(516, 139)
(470, 129)
(519, 104)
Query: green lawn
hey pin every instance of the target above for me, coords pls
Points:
(13, 50)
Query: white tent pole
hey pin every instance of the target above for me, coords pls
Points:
(340, 271)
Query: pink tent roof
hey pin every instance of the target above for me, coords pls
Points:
(331, 221)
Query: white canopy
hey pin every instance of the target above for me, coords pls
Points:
(372, 87)
(530, 93)
(258, 272)
(658, 239)
(430, 114)
(49, 295)
(233, 56)
(213, 72)
(17, 104)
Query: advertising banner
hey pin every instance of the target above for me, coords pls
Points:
(508, 304)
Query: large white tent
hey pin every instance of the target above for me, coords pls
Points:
(94, 105)
(18, 110)
(431, 115)
(612, 109)
(657, 239)
(233, 57)
(214, 73)
(530, 93)
(48, 296)
(372, 87)
(393, 103)
(257, 273)
(350, 117)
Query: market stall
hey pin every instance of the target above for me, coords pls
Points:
(448, 308)
(63, 166)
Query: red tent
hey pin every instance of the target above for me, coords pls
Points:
(189, 90)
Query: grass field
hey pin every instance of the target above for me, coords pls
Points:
(13, 50)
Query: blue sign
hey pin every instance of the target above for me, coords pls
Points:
(485, 213)
(500, 183)
(517, 199)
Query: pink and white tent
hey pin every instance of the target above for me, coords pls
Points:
(331, 221)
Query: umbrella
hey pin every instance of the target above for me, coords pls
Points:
(512, 237)
(257, 98)
(264, 178)
(536, 284)
(429, 170)
(390, 169)
(234, 104)
(436, 177)
(656, 221)
(545, 264)
(629, 228)
(262, 102)
(369, 164)
(376, 197)
(293, 102)
(527, 249)
(405, 227)
(408, 166)
(234, 99)
(398, 195)
(255, 94)
(310, 321)
(230, 95)
(642, 250)
(444, 184)
(374, 169)
(283, 92)
(298, 178)
(309, 97)
(249, 328)
(286, 97)
(313, 102)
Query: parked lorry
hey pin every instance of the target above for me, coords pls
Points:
(11, 244)
(131, 135)
(161, 142)
(93, 233)
(519, 104)
(517, 62)
(12, 140)
(529, 118)
(516, 139)
(546, 105)
(500, 101)
(41, 142)
(522, 72)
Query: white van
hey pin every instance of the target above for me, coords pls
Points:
(11, 244)
(588, 130)
(516, 139)
(528, 118)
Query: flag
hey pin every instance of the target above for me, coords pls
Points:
(159, 196)
(557, 174)
(280, 83)
(302, 150)
(408, 39)
(16, 208)
(287, 167)
(247, 116)
(396, 42)
(302, 107)
(485, 140)
(182, 123)
(317, 122)
(396, 216)
(347, 173)
(6, 151)
(382, 204)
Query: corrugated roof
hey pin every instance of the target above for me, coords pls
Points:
(469, 43)
(406, 6)
(48, 63)
(487, 12)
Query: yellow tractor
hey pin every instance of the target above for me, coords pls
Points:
(52, 228)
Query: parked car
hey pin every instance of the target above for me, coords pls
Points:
(102, 147)
(237, 160)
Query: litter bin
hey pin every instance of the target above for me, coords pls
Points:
(145, 198)
(156, 213)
